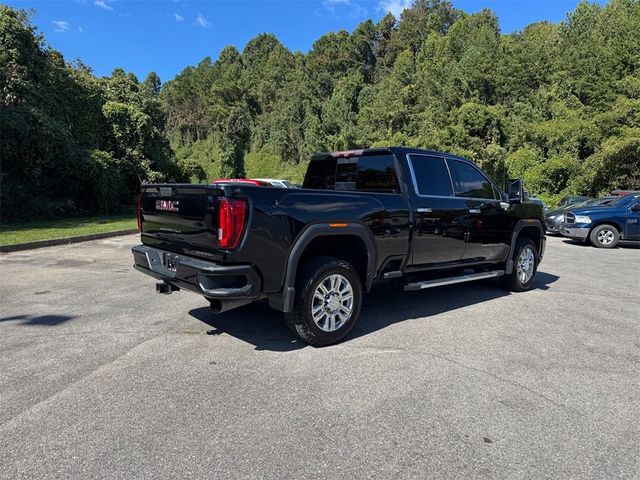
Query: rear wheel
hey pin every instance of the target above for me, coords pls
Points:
(525, 266)
(327, 303)
(604, 236)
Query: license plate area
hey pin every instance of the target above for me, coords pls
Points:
(169, 261)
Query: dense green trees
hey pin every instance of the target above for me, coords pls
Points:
(556, 104)
(71, 142)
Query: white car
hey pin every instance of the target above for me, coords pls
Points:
(277, 183)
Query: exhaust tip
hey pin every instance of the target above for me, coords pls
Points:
(216, 306)
(219, 306)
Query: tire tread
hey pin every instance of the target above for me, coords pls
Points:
(306, 278)
(511, 281)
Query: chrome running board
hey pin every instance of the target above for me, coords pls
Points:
(451, 280)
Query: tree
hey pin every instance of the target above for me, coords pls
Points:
(234, 139)
(558, 104)
(151, 86)
(70, 142)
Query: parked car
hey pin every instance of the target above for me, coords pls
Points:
(278, 183)
(256, 182)
(604, 225)
(571, 199)
(553, 218)
(420, 217)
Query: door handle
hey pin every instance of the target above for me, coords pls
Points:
(475, 207)
(425, 210)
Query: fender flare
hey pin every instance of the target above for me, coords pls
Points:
(607, 221)
(324, 230)
(526, 222)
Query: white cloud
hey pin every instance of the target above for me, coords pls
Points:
(344, 8)
(201, 21)
(60, 25)
(102, 4)
(179, 18)
(396, 7)
(333, 3)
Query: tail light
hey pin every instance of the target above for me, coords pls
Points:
(139, 212)
(232, 215)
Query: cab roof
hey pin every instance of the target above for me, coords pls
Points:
(398, 151)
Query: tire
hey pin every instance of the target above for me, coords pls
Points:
(332, 322)
(517, 281)
(604, 236)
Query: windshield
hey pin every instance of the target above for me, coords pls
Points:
(572, 201)
(582, 204)
(593, 201)
(626, 200)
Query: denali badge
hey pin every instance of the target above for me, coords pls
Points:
(167, 205)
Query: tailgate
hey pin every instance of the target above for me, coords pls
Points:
(180, 218)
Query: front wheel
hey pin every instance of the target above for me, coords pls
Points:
(327, 303)
(525, 266)
(604, 236)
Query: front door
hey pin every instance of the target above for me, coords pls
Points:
(439, 217)
(489, 231)
(632, 228)
(489, 224)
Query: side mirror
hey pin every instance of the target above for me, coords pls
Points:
(515, 191)
(635, 207)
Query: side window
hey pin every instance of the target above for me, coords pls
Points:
(432, 176)
(469, 182)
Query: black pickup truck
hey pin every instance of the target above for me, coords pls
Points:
(420, 217)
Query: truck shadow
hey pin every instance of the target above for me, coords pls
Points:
(38, 320)
(263, 327)
(633, 244)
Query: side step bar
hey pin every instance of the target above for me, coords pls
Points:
(451, 280)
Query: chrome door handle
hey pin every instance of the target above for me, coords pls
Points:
(474, 210)
(425, 210)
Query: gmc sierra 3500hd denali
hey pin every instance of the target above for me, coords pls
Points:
(421, 217)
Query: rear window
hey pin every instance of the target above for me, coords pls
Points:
(371, 173)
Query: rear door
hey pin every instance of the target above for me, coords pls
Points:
(489, 226)
(440, 217)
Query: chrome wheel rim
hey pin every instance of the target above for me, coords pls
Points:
(605, 237)
(525, 264)
(332, 303)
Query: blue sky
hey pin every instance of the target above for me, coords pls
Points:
(166, 36)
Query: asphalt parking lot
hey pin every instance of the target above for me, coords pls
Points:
(102, 378)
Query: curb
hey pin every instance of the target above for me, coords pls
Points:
(64, 241)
